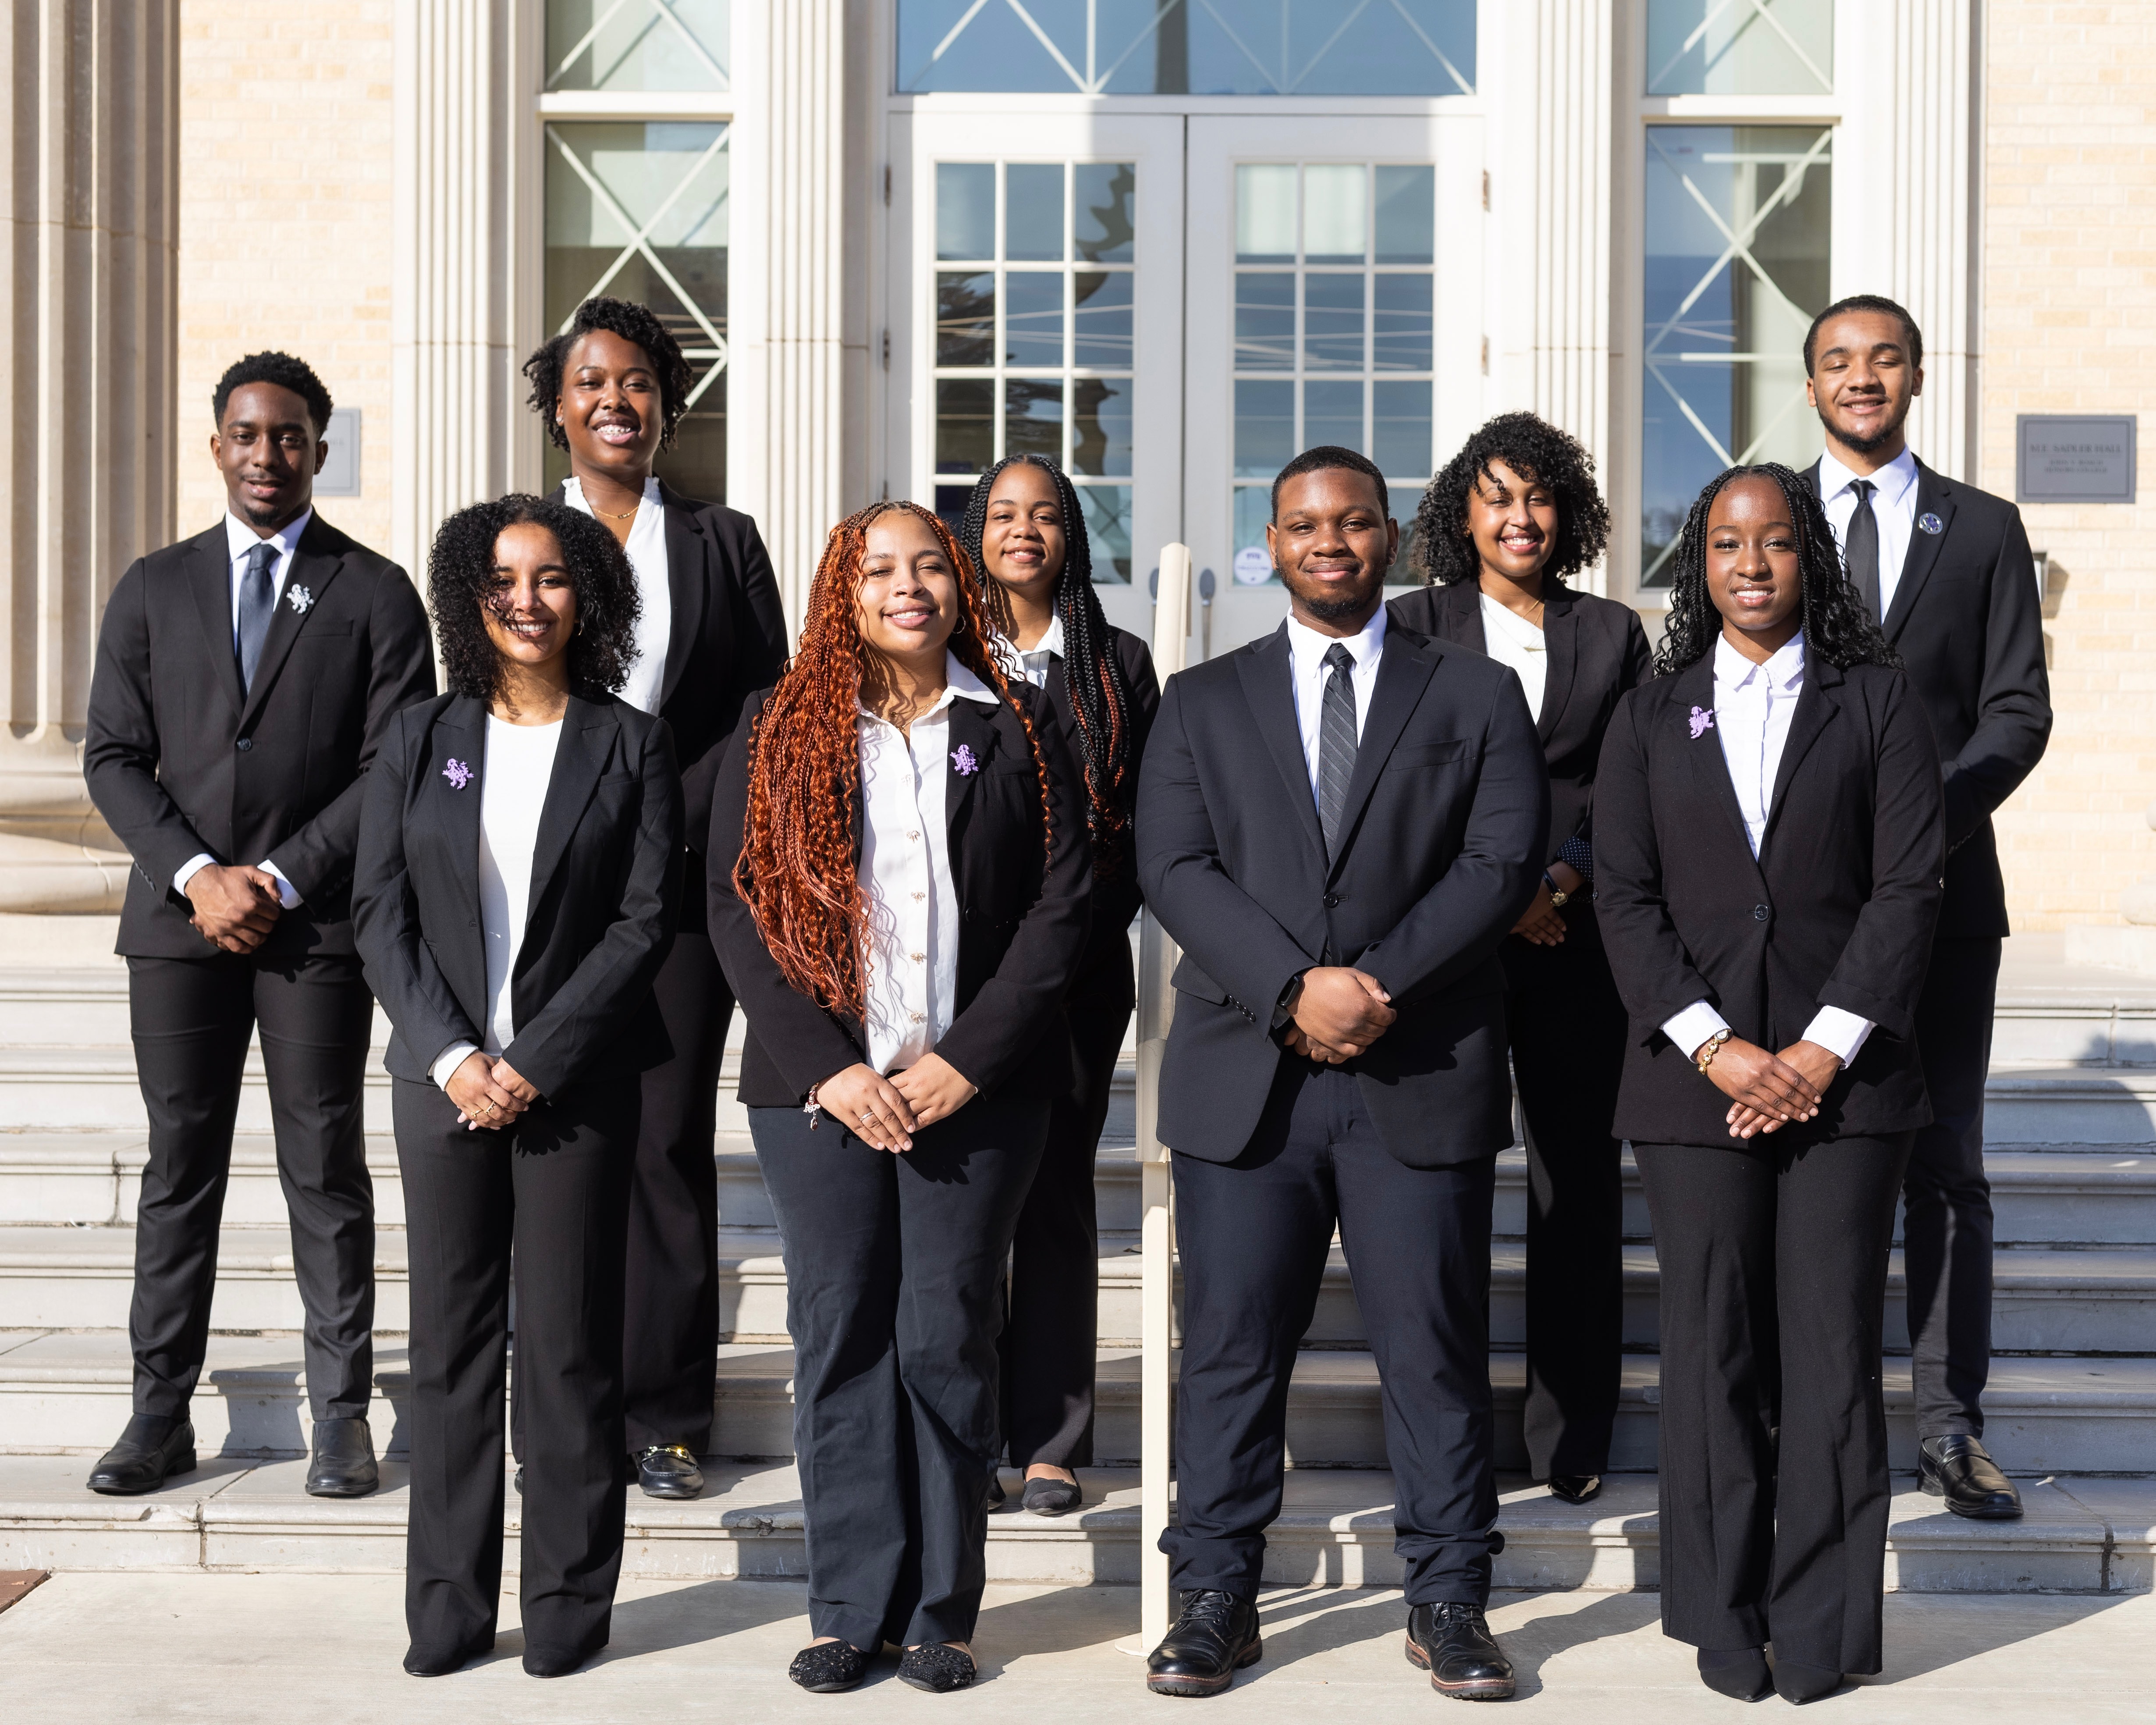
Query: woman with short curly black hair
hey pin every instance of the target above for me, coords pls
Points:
(1512, 517)
(519, 854)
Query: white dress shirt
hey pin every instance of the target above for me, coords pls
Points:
(646, 549)
(240, 540)
(518, 767)
(1306, 649)
(1893, 506)
(1514, 642)
(912, 903)
(1034, 661)
(1753, 706)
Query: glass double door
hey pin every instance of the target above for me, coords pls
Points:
(1172, 306)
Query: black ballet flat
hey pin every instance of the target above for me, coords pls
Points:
(1739, 1673)
(1051, 1498)
(828, 1667)
(936, 1668)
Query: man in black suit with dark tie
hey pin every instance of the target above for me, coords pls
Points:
(1947, 570)
(1338, 823)
(244, 680)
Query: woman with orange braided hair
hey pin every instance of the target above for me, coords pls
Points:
(900, 893)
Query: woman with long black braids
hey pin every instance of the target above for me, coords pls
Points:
(1769, 839)
(1024, 529)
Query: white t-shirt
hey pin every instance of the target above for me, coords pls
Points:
(520, 764)
(646, 550)
(1518, 644)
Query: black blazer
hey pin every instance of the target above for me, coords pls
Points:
(1026, 908)
(179, 762)
(1444, 833)
(1969, 624)
(1838, 910)
(605, 873)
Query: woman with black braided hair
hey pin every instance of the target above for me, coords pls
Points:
(1769, 840)
(1024, 532)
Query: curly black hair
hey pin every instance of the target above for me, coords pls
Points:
(632, 322)
(286, 373)
(1536, 450)
(1837, 627)
(459, 581)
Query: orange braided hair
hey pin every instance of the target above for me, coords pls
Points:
(797, 873)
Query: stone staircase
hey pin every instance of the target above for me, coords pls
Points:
(2071, 1118)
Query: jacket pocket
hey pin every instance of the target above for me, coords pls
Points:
(1429, 754)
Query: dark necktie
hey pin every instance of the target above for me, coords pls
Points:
(1861, 548)
(257, 599)
(1336, 742)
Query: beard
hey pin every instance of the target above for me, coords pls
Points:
(1875, 441)
(1336, 609)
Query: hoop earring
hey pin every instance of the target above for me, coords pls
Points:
(579, 629)
(959, 628)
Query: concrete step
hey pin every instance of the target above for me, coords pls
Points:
(1335, 1528)
(2080, 1106)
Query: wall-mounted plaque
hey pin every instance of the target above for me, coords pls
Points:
(2073, 458)
(339, 474)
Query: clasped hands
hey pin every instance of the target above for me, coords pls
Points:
(1769, 1091)
(1336, 1013)
(884, 1113)
(235, 906)
(488, 1092)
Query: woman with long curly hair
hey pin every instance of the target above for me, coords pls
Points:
(901, 882)
(1502, 529)
(1769, 838)
(1024, 532)
(519, 853)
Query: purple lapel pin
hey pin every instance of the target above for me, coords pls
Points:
(1702, 721)
(459, 775)
(961, 757)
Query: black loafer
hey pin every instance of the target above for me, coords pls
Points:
(828, 1667)
(344, 1464)
(1575, 1487)
(153, 1448)
(1215, 1636)
(1956, 1469)
(1452, 1642)
(936, 1668)
(1739, 1673)
(1797, 1683)
(1051, 1498)
(669, 1471)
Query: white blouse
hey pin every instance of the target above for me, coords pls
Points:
(646, 551)
(1519, 645)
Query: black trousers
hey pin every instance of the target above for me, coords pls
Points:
(191, 1019)
(1946, 1226)
(1051, 1344)
(545, 1200)
(894, 1296)
(1568, 1029)
(1254, 1234)
(1773, 1284)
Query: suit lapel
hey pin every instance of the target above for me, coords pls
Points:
(1561, 653)
(688, 551)
(1934, 496)
(587, 735)
(1267, 674)
(1694, 691)
(209, 583)
(1816, 707)
(454, 792)
(1404, 668)
(1462, 603)
(973, 728)
(313, 568)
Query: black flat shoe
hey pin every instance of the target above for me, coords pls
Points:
(1956, 1469)
(1215, 1636)
(669, 1471)
(829, 1668)
(1740, 1673)
(936, 1668)
(1798, 1683)
(554, 1662)
(996, 1497)
(520, 1481)
(153, 1448)
(1452, 1642)
(344, 1464)
(1575, 1487)
(439, 1661)
(1051, 1498)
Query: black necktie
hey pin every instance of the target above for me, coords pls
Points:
(257, 599)
(1336, 742)
(1861, 548)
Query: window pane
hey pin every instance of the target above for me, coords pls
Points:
(1264, 428)
(1333, 227)
(1254, 511)
(1764, 47)
(1399, 433)
(1101, 426)
(1033, 317)
(951, 501)
(965, 319)
(1033, 416)
(1332, 322)
(1333, 414)
(1265, 213)
(1407, 215)
(965, 424)
(1402, 321)
(1106, 216)
(607, 44)
(1033, 211)
(1107, 512)
(1265, 323)
(965, 209)
(1102, 319)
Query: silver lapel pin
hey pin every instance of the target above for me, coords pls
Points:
(299, 600)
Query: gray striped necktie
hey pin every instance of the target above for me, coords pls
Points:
(1336, 743)
(257, 599)
(1860, 548)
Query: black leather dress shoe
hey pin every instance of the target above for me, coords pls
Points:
(1576, 1487)
(1215, 1636)
(1050, 1498)
(1956, 1469)
(1451, 1641)
(995, 1495)
(154, 1447)
(1797, 1683)
(344, 1459)
(669, 1471)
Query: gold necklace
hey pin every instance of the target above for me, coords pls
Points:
(628, 514)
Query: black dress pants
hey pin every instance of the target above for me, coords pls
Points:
(894, 1296)
(1254, 1234)
(1568, 1032)
(191, 1019)
(1051, 1344)
(1946, 1225)
(1773, 1283)
(548, 1200)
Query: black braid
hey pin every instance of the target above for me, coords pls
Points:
(1837, 627)
(1099, 694)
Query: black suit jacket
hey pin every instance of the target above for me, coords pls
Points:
(179, 762)
(1025, 907)
(1837, 912)
(1116, 900)
(605, 873)
(1969, 624)
(1442, 840)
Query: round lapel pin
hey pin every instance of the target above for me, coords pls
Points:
(1931, 523)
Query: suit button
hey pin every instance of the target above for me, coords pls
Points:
(1332, 901)
(1758, 913)
(245, 744)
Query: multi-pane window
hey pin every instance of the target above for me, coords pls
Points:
(1736, 238)
(1334, 295)
(638, 44)
(1740, 47)
(1033, 341)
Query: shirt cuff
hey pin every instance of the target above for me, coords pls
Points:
(188, 869)
(1689, 1028)
(449, 1063)
(1839, 1032)
(285, 889)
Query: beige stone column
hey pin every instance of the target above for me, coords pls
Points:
(86, 341)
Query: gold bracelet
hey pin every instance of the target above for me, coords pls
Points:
(1709, 1049)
